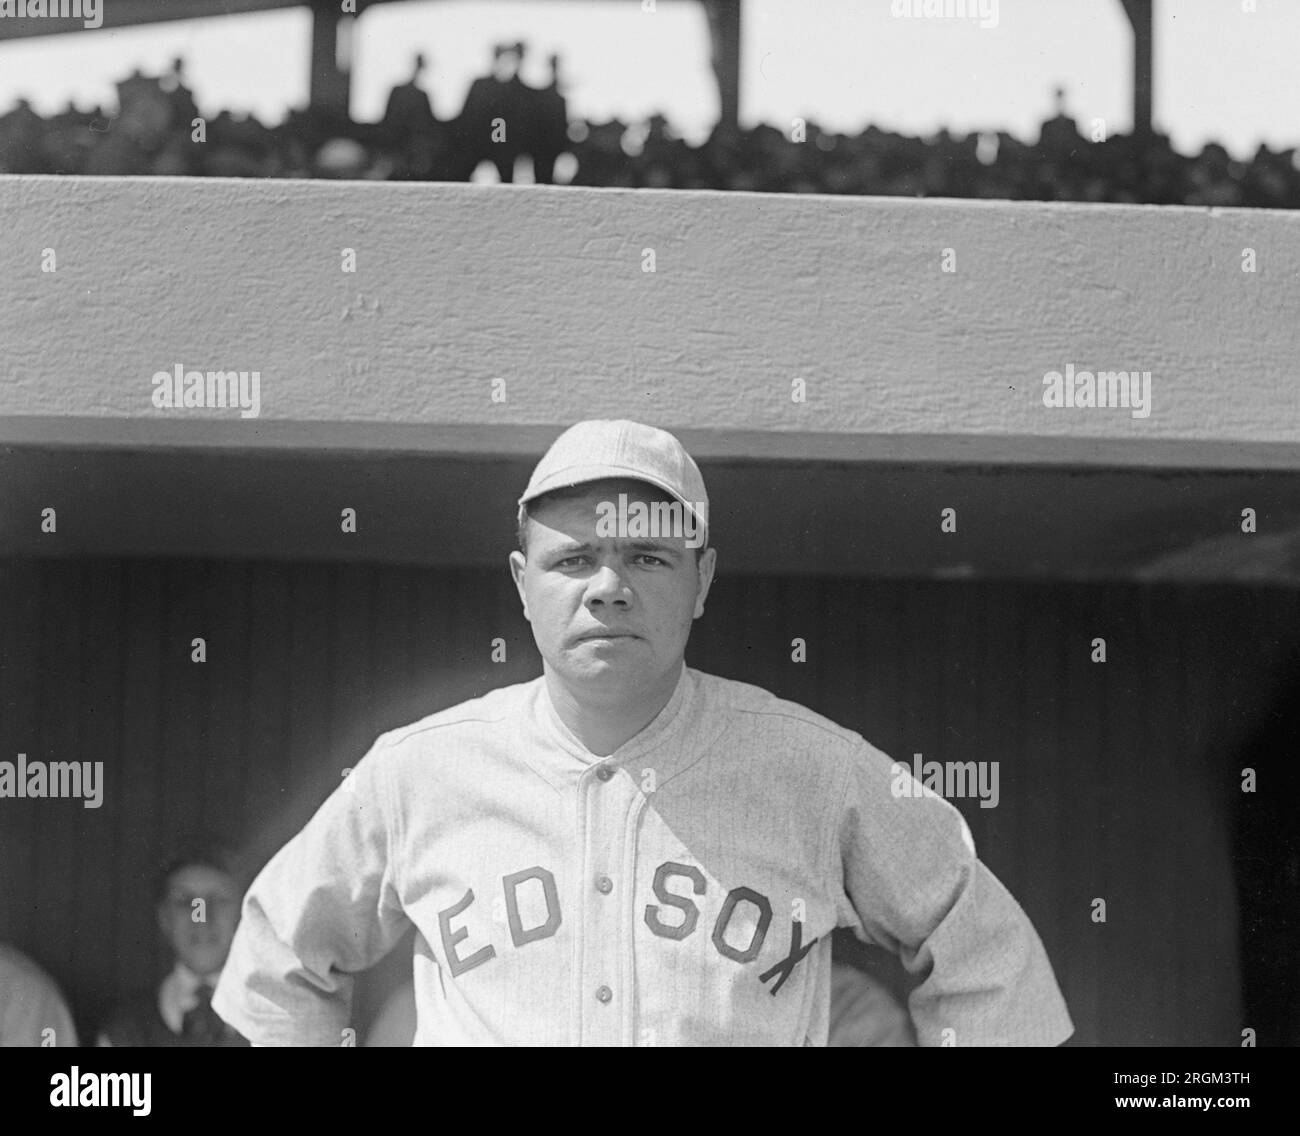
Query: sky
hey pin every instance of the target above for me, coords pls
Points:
(1222, 73)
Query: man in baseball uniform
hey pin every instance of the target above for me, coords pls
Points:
(627, 851)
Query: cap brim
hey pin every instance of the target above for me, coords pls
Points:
(582, 475)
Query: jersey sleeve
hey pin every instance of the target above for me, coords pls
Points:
(324, 907)
(30, 1004)
(915, 886)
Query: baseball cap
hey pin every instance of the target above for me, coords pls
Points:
(603, 448)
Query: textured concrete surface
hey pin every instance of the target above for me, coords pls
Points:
(458, 287)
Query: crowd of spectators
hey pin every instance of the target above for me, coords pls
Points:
(156, 129)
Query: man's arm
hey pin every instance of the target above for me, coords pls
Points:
(31, 1004)
(325, 907)
(916, 887)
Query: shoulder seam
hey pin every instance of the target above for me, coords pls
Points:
(402, 733)
(833, 886)
(832, 728)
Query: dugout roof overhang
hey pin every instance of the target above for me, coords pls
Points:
(919, 389)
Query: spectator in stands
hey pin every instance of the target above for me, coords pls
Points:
(184, 109)
(409, 109)
(242, 147)
(197, 908)
(21, 131)
(518, 113)
(1060, 133)
(138, 131)
(32, 1011)
(503, 117)
(548, 127)
(410, 133)
(487, 109)
(601, 159)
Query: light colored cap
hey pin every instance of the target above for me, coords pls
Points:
(602, 448)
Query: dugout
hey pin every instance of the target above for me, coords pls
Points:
(840, 390)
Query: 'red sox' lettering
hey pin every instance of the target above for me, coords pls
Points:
(677, 927)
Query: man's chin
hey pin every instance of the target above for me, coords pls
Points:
(613, 669)
(204, 964)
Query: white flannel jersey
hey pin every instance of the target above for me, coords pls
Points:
(681, 891)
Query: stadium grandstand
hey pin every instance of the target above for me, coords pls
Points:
(155, 129)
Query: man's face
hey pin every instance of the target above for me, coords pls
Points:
(200, 934)
(611, 615)
(505, 66)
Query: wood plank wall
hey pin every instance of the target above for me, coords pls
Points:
(1118, 781)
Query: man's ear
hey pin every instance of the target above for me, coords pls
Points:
(517, 564)
(708, 561)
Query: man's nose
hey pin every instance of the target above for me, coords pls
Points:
(607, 586)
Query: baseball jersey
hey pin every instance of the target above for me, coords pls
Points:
(680, 891)
(31, 1005)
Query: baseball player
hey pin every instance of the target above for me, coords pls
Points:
(627, 851)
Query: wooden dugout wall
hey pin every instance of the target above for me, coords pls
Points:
(1118, 782)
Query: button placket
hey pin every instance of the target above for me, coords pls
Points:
(606, 809)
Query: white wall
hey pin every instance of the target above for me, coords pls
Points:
(543, 287)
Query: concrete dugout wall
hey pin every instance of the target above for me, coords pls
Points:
(547, 289)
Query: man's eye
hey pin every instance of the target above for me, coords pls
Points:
(652, 559)
(569, 561)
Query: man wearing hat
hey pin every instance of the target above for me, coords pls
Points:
(627, 851)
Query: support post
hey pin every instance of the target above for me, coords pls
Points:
(1141, 17)
(330, 83)
(724, 33)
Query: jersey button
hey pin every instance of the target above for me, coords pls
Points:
(604, 994)
(604, 773)
(604, 885)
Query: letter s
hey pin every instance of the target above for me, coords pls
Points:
(691, 913)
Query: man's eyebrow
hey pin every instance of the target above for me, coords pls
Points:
(654, 546)
(567, 548)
